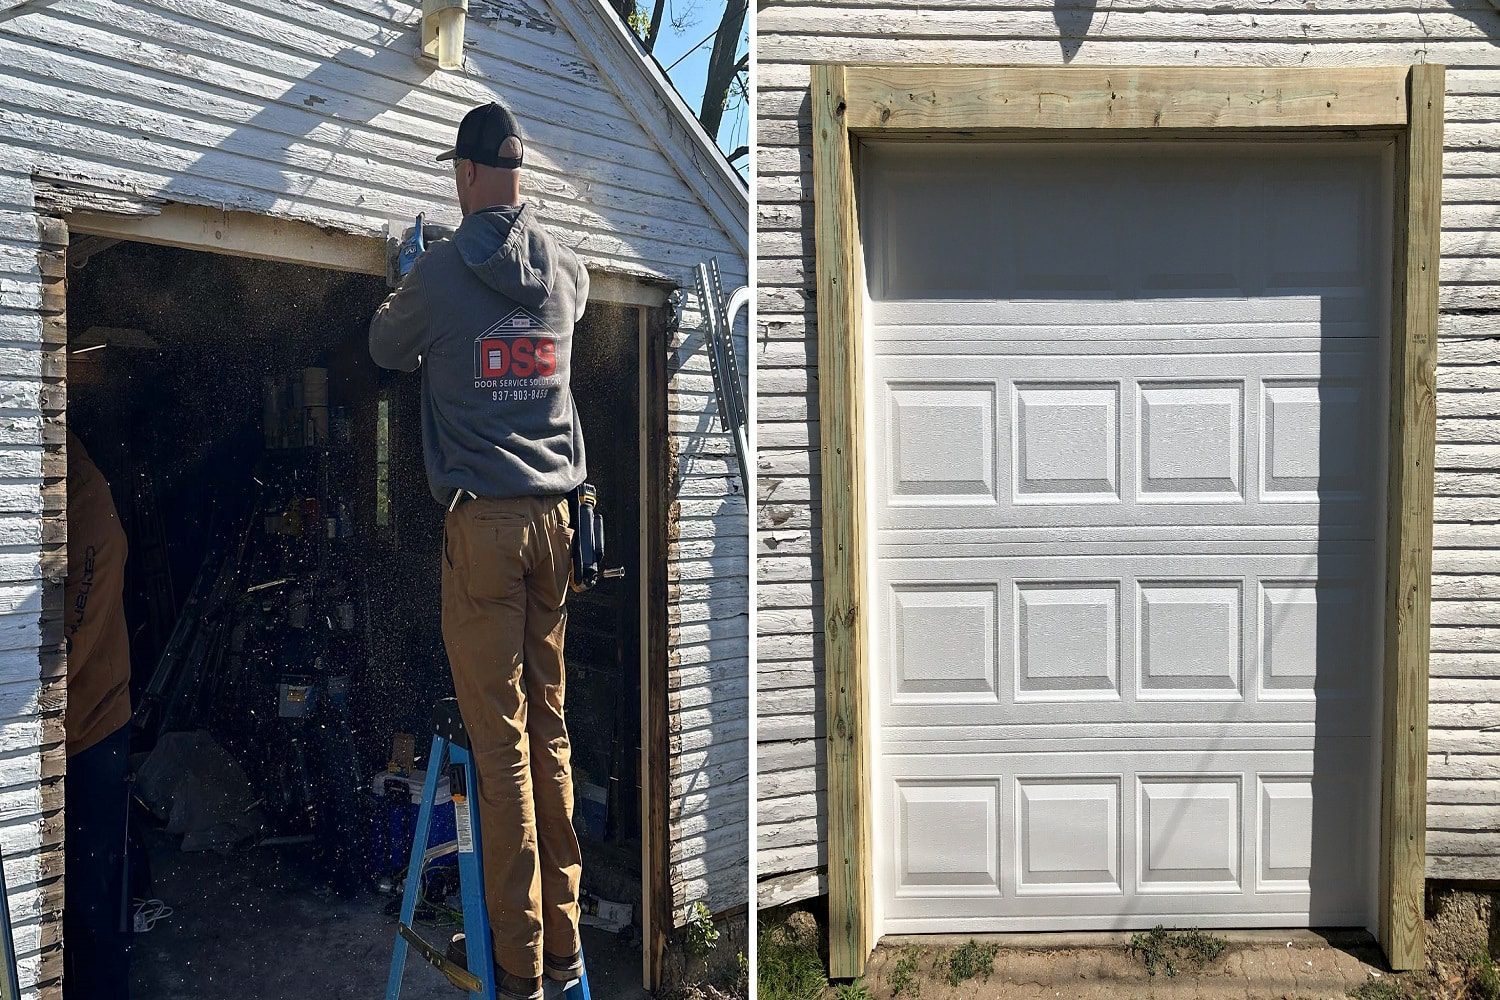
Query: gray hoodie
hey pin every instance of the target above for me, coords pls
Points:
(488, 316)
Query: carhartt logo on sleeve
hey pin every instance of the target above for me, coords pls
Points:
(516, 359)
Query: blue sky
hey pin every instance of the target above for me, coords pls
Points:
(701, 18)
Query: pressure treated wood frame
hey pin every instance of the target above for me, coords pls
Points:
(1109, 102)
(656, 714)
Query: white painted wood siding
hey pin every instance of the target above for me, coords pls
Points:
(1464, 766)
(708, 640)
(320, 111)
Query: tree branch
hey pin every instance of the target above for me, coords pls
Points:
(721, 65)
(655, 28)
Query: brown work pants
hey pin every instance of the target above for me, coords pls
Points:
(505, 578)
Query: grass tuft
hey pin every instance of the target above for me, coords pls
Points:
(969, 960)
(1199, 948)
(1484, 977)
(1167, 952)
(904, 972)
(856, 990)
(789, 967)
(1380, 989)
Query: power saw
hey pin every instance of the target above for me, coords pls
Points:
(401, 252)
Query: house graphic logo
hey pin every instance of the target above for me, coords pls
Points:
(521, 346)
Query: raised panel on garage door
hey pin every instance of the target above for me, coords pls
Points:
(1128, 432)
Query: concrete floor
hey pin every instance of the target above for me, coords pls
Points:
(251, 926)
(1257, 966)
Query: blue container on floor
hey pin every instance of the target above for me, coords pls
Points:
(396, 821)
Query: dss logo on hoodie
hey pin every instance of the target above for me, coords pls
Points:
(521, 349)
(488, 317)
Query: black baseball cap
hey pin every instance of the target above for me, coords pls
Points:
(481, 134)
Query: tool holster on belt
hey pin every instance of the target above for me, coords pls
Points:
(588, 540)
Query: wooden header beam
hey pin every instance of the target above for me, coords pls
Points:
(1113, 103)
(899, 98)
(288, 241)
(242, 234)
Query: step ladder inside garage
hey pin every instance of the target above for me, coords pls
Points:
(475, 973)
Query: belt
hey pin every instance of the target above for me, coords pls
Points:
(461, 497)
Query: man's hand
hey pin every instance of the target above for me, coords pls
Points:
(402, 255)
(399, 329)
(411, 247)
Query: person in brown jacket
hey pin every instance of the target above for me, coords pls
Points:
(96, 797)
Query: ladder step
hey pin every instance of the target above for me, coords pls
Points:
(455, 973)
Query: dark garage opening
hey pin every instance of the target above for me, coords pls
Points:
(282, 593)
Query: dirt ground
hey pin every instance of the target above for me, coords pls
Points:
(1461, 924)
(250, 926)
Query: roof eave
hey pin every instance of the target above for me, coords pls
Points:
(620, 46)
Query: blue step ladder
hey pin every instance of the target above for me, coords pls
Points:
(450, 750)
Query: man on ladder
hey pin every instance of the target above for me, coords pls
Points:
(488, 317)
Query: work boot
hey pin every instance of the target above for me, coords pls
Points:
(563, 970)
(508, 987)
(458, 952)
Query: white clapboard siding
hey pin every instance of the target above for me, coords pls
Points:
(1464, 782)
(708, 637)
(322, 112)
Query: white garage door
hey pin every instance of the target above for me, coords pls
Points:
(1128, 482)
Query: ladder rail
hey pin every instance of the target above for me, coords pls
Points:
(418, 849)
(738, 410)
(471, 875)
(729, 389)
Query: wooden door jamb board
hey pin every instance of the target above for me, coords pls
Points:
(1409, 501)
(845, 603)
(656, 508)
